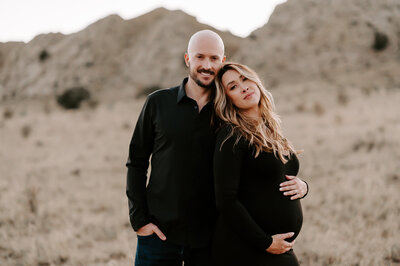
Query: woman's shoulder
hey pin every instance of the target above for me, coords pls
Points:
(227, 134)
(226, 130)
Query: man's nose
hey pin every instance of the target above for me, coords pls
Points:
(207, 64)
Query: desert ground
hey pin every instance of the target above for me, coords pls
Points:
(63, 175)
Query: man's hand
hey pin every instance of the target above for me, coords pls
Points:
(279, 245)
(295, 186)
(150, 229)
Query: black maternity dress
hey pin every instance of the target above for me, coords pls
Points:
(251, 207)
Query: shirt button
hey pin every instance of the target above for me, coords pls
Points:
(195, 107)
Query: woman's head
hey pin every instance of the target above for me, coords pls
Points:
(242, 101)
(239, 90)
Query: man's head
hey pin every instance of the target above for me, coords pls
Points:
(204, 57)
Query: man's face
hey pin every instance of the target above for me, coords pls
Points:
(204, 60)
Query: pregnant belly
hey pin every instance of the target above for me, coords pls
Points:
(277, 216)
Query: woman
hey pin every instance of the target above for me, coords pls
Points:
(257, 224)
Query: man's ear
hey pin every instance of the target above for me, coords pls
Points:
(224, 59)
(187, 59)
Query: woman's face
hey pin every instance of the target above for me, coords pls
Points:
(243, 92)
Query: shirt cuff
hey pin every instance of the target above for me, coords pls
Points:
(137, 224)
(267, 243)
(306, 191)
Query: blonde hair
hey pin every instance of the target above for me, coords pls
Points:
(265, 135)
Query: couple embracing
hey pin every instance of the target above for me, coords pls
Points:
(223, 187)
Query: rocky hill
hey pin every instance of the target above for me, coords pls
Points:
(110, 54)
(340, 42)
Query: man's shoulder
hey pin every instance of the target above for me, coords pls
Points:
(163, 93)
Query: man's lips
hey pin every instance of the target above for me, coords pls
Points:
(248, 95)
(206, 73)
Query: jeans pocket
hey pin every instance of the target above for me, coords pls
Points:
(146, 237)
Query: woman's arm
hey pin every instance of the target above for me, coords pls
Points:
(227, 168)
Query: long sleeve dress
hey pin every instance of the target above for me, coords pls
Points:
(251, 207)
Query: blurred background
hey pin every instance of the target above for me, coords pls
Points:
(69, 101)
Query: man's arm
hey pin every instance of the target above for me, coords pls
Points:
(140, 149)
(295, 187)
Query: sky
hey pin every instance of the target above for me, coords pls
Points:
(22, 20)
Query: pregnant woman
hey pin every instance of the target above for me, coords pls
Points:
(257, 224)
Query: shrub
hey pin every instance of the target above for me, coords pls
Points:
(8, 113)
(381, 41)
(72, 98)
(43, 55)
(146, 91)
(26, 131)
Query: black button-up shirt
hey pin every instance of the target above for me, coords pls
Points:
(179, 197)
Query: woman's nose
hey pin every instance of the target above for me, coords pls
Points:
(245, 88)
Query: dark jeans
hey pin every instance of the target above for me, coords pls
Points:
(152, 251)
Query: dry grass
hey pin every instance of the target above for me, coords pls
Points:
(62, 190)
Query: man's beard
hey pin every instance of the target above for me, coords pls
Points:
(209, 86)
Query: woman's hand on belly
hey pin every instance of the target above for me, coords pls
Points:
(279, 245)
(295, 187)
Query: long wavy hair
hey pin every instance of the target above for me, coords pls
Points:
(264, 134)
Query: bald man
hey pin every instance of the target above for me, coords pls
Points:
(174, 215)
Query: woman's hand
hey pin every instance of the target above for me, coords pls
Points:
(295, 187)
(279, 245)
(150, 229)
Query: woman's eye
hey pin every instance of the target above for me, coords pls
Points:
(233, 87)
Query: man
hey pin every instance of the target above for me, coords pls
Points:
(174, 215)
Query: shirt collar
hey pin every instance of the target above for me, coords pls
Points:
(181, 90)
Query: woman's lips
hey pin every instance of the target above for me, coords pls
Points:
(248, 95)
